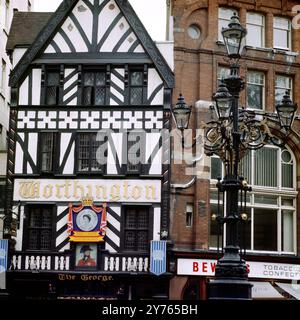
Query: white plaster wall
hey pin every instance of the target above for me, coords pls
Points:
(167, 50)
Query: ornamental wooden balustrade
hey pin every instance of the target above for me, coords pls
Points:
(55, 261)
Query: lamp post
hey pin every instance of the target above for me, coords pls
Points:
(234, 132)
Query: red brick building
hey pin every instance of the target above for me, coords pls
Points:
(270, 65)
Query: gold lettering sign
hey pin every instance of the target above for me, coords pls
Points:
(29, 190)
(99, 190)
(84, 277)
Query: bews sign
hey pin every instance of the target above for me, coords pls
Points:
(99, 190)
(265, 270)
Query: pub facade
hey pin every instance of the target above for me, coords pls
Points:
(88, 184)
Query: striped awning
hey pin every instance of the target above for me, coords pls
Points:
(264, 290)
(290, 288)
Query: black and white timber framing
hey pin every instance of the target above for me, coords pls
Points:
(104, 35)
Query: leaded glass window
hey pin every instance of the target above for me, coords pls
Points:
(135, 147)
(40, 231)
(136, 229)
(136, 87)
(89, 159)
(94, 88)
(48, 146)
(52, 88)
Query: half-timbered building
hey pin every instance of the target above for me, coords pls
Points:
(88, 84)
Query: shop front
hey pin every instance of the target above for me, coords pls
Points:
(86, 286)
(270, 279)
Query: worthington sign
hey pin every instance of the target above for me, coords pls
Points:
(99, 190)
(265, 270)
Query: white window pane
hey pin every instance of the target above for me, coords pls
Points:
(279, 93)
(254, 96)
(255, 77)
(254, 36)
(255, 18)
(283, 82)
(222, 24)
(281, 23)
(287, 231)
(281, 39)
(226, 13)
(223, 73)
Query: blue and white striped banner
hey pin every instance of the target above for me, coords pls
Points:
(158, 257)
(3, 262)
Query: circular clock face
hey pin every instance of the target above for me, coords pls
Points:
(87, 220)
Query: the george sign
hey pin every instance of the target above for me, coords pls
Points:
(99, 190)
(3, 263)
(84, 277)
(265, 270)
(158, 257)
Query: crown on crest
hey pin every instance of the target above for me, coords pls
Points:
(87, 201)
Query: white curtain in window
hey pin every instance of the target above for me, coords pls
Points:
(287, 231)
(266, 167)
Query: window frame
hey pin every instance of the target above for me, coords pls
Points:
(150, 210)
(262, 29)
(141, 155)
(220, 38)
(94, 70)
(289, 34)
(290, 80)
(55, 152)
(144, 86)
(48, 70)
(27, 227)
(189, 209)
(226, 70)
(256, 84)
(77, 148)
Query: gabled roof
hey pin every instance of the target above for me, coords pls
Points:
(25, 27)
(57, 19)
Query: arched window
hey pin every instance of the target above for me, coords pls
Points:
(271, 205)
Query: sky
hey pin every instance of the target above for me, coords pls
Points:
(151, 12)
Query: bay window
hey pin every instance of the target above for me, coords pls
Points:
(271, 207)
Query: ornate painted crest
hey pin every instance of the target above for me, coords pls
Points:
(87, 223)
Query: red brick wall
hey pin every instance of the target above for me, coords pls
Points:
(196, 63)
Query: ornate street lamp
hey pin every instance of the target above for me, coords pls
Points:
(234, 37)
(223, 100)
(181, 113)
(286, 112)
(235, 131)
